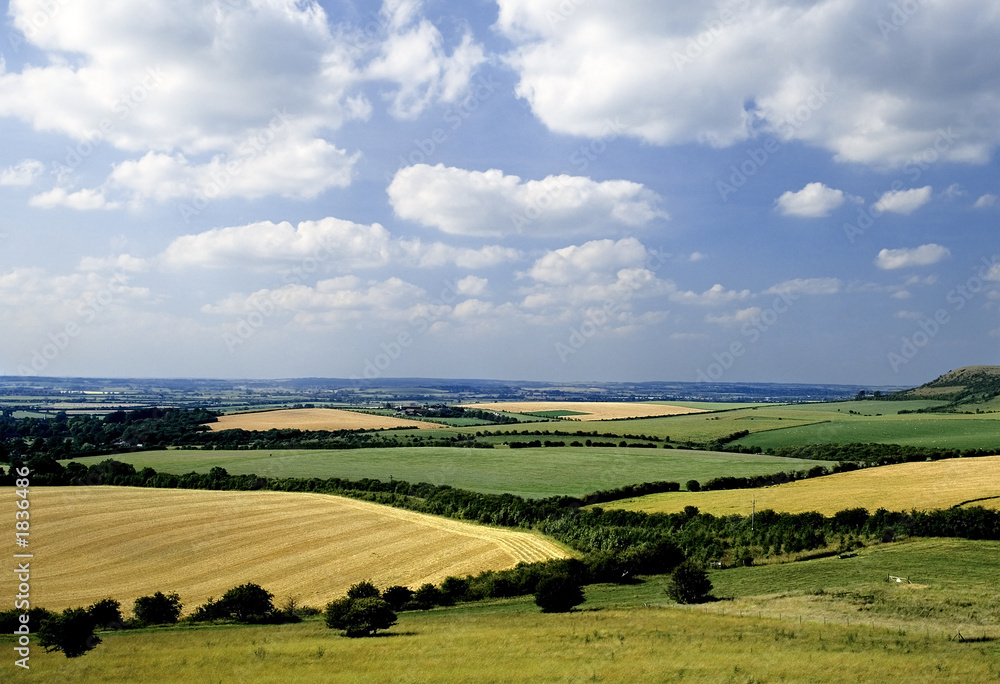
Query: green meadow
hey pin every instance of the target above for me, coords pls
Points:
(528, 472)
(826, 620)
(777, 425)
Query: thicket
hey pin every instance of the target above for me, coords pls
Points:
(876, 454)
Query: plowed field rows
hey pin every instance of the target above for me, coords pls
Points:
(589, 410)
(314, 419)
(124, 542)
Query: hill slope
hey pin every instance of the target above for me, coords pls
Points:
(126, 542)
(968, 384)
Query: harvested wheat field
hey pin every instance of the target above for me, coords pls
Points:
(125, 542)
(587, 410)
(921, 486)
(314, 419)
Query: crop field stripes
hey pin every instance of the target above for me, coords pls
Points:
(126, 542)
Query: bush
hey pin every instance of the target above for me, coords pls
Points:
(71, 632)
(397, 596)
(689, 583)
(693, 486)
(363, 590)
(558, 593)
(359, 617)
(158, 609)
(10, 620)
(107, 613)
(426, 597)
(248, 603)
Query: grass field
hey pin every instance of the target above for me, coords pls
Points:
(314, 419)
(124, 542)
(778, 425)
(778, 628)
(587, 410)
(536, 473)
(902, 487)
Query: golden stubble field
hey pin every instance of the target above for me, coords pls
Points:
(589, 410)
(314, 419)
(125, 542)
(902, 487)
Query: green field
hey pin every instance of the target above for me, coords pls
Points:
(777, 425)
(778, 627)
(533, 473)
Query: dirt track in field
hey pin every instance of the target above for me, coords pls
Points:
(590, 410)
(124, 542)
(314, 419)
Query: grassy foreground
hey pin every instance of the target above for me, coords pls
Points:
(825, 620)
(532, 473)
(621, 634)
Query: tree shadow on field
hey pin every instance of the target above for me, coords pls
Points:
(383, 635)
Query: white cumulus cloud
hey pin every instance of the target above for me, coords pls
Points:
(812, 201)
(491, 203)
(924, 255)
(903, 201)
(24, 173)
(804, 70)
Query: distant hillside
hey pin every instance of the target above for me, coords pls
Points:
(969, 384)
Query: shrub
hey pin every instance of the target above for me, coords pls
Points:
(693, 486)
(107, 613)
(247, 603)
(397, 596)
(426, 597)
(363, 589)
(558, 593)
(359, 617)
(71, 632)
(158, 609)
(689, 583)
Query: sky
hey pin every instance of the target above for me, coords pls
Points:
(557, 190)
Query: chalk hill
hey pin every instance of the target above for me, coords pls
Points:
(967, 385)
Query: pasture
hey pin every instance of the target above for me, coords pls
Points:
(125, 542)
(776, 625)
(587, 410)
(313, 419)
(778, 425)
(902, 487)
(528, 472)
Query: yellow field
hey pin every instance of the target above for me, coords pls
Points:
(589, 410)
(921, 486)
(125, 542)
(314, 419)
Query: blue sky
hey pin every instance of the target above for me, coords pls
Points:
(786, 191)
